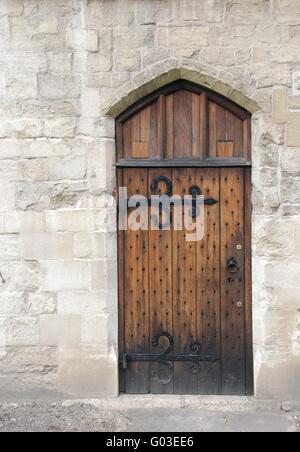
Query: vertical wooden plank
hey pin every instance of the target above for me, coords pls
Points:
(184, 294)
(208, 284)
(212, 130)
(153, 147)
(121, 293)
(203, 127)
(119, 141)
(161, 129)
(182, 124)
(234, 130)
(145, 125)
(248, 285)
(247, 139)
(169, 127)
(136, 128)
(160, 292)
(196, 126)
(232, 284)
(136, 291)
(127, 140)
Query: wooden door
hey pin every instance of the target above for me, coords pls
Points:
(193, 296)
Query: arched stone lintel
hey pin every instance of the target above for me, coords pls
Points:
(183, 74)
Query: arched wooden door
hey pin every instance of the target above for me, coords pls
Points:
(185, 307)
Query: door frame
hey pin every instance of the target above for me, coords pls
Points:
(249, 361)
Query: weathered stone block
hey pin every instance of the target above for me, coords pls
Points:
(73, 168)
(19, 63)
(67, 221)
(23, 276)
(35, 170)
(293, 129)
(280, 105)
(95, 245)
(69, 275)
(24, 128)
(83, 40)
(60, 128)
(12, 303)
(83, 372)
(59, 62)
(60, 330)
(103, 274)
(97, 62)
(22, 222)
(81, 303)
(285, 274)
(44, 148)
(10, 149)
(251, 11)
(4, 33)
(9, 247)
(91, 105)
(274, 238)
(11, 8)
(53, 86)
(43, 246)
(39, 303)
(8, 202)
(297, 238)
(22, 331)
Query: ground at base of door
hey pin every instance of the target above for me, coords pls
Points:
(90, 416)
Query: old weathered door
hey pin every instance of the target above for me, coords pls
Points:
(185, 306)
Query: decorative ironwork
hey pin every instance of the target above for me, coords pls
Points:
(167, 182)
(232, 265)
(168, 356)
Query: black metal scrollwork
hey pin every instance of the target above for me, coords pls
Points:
(167, 182)
(168, 193)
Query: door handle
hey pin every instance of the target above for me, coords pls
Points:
(232, 265)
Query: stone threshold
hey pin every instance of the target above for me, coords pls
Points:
(207, 403)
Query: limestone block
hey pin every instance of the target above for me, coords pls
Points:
(32, 33)
(251, 11)
(35, 359)
(60, 128)
(103, 274)
(23, 330)
(73, 168)
(284, 54)
(290, 189)
(67, 221)
(11, 8)
(8, 202)
(59, 62)
(44, 148)
(83, 40)
(2, 84)
(258, 55)
(279, 105)
(293, 129)
(96, 331)
(85, 373)
(22, 276)
(4, 33)
(10, 149)
(69, 275)
(81, 303)
(12, 303)
(24, 128)
(129, 61)
(54, 86)
(16, 222)
(97, 62)
(297, 239)
(290, 161)
(49, 26)
(9, 247)
(62, 330)
(293, 34)
(101, 158)
(46, 246)
(95, 245)
(91, 106)
(10, 171)
(35, 170)
(274, 238)
(288, 298)
(39, 303)
(281, 75)
(296, 82)
(19, 63)
(285, 274)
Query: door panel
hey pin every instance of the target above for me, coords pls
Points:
(194, 291)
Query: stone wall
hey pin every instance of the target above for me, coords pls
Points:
(66, 68)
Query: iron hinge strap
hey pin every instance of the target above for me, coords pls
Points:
(155, 357)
